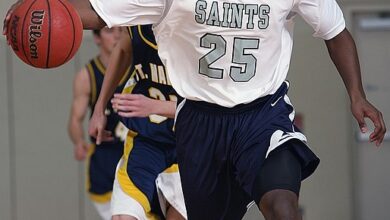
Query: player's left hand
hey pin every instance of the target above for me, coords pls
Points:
(132, 105)
(97, 125)
(363, 109)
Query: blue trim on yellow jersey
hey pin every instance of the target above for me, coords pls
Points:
(127, 184)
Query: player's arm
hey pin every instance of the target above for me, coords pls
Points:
(95, 14)
(89, 18)
(120, 60)
(81, 97)
(326, 18)
(343, 53)
(137, 105)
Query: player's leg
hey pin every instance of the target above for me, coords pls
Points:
(203, 136)
(173, 214)
(123, 217)
(273, 159)
(100, 177)
(279, 184)
(124, 207)
(135, 191)
(280, 204)
(170, 194)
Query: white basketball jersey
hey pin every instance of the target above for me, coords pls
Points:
(226, 52)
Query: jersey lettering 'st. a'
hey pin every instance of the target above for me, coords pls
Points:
(157, 73)
(232, 15)
(151, 80)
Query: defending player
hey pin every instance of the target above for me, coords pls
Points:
(102, 158)
(147, 105)
(229, 60)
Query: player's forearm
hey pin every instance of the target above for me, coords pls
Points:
(120, 61)
(344, 55)
(75, 131)
(165, 108)
(89, 17)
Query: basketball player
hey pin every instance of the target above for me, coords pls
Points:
(229, 60)
(103, 157)
(147, 107)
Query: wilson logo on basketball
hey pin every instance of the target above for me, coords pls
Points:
(35, 31)
(14, 31)
(45, 33)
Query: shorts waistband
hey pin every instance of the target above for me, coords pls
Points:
(214, 108)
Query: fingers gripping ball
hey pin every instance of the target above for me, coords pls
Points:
(45, 33)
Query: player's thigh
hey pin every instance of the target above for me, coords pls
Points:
(281, 171)
(144, 163)
(124, 206)
(170, 193)
(203, 142)
(123, 217)
(173, 214)
(100, 176)
(138, 173)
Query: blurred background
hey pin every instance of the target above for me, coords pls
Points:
(39, 179)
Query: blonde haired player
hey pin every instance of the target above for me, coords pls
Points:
(103, 157)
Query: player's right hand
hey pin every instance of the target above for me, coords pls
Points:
(81, 150)
(8, 17)
(97, 125)
(361, 109)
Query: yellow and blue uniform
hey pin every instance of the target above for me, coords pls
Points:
(103, 158)
(150, 144)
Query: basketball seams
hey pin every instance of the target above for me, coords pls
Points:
(23, 30)
(48, 34)
(40, 41)
(74, 31)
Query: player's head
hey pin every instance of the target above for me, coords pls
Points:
(107, 38)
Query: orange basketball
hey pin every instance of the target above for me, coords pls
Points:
(45, 33)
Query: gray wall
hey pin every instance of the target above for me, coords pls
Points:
(5, 150)
(40, 179)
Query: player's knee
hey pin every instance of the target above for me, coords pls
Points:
(280, 205)
(123, 217)
(285, 210)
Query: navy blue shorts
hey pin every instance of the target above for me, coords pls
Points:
(101, 170)
(221, 152)
(143, 160)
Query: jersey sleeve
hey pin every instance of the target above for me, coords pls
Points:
(129, 12)
(324, 16)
